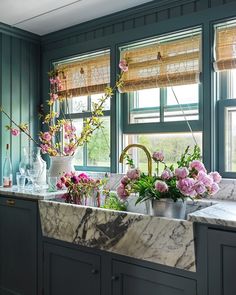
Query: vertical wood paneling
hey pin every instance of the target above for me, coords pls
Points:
(15, 99)
(6, 93)
(19, 92)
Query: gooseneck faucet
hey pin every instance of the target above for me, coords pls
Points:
(149, 157)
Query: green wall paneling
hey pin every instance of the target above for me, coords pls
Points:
(19, 87)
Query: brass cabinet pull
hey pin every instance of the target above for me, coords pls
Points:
(10, 202)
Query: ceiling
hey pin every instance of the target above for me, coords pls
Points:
(46, 16)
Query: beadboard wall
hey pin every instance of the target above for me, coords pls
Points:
(19, 87)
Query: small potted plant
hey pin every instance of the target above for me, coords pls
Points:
(167, 190)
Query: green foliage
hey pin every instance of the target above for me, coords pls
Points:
(129, 161)
(187, 157)
(114, 203)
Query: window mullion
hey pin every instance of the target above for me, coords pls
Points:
(163, 103)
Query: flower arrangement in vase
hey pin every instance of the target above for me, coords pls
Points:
(81, 189)
(189, 180)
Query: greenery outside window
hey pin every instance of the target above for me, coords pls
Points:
(86, 78)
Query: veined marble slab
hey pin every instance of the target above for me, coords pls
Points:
(222, 213)
(25, 194)
(166, 241)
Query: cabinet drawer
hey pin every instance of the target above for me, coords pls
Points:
(129, 279)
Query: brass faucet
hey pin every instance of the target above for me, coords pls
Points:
(149, 157)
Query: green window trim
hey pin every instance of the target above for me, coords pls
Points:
(222, 105)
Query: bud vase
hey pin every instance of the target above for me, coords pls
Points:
(59, 165)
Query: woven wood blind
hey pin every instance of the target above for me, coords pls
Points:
(225, 48)
(175, 62)
(86, 76)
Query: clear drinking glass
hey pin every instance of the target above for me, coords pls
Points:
(52, 184)
(20, 181)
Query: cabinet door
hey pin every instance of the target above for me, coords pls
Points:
(222, 262)
(70, 271)
(18, 247)
(130, 279)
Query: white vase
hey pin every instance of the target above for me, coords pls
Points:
(59, 165)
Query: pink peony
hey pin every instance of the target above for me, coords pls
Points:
(124, 180)
(214, 188)
(133, 174)
(123, 65)
(215, 176)
(158, 156)
(200, 188)
(204, 178)
(15, 132)
(46, 136)
(122, 192)
(186, 187)
(161, 186)
(197, 165)
(181, 173)
(166, 174)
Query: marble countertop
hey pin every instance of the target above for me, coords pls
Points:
(26, 194)
(221, 213)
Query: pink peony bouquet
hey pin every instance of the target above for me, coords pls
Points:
(81, 189)
(189, 180)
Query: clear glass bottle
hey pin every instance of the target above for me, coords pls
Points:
(7, 169)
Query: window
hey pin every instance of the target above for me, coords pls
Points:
(85, 80)
(225, 68)
(162, 94)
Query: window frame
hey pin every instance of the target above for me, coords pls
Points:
(161, 127)
(222, 105)
(86, 114)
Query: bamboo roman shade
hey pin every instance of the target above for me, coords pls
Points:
(85, 76)
(163, 64)
(225, 48)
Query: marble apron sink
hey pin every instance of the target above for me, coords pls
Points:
(160, 240)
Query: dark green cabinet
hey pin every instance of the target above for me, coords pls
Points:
(18, 247)
(129, 279)
(70, 271)
(221, 262)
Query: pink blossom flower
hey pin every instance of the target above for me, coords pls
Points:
(204, 178)
(59, 185)
(181, 173)
(215, 176)
(214, 188)
(51, 81)
(44, 148)
(133, 174)
(200, 188)
(83, 176)
(161, 186)
(15, 132)
(123, 65)
(186, 187)
(46, 136)
(75, 179)
(158, 156)
(54, 96)
(68, 150)
(63, 179)
(122, 192)
(166, 174)
(197, 165)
